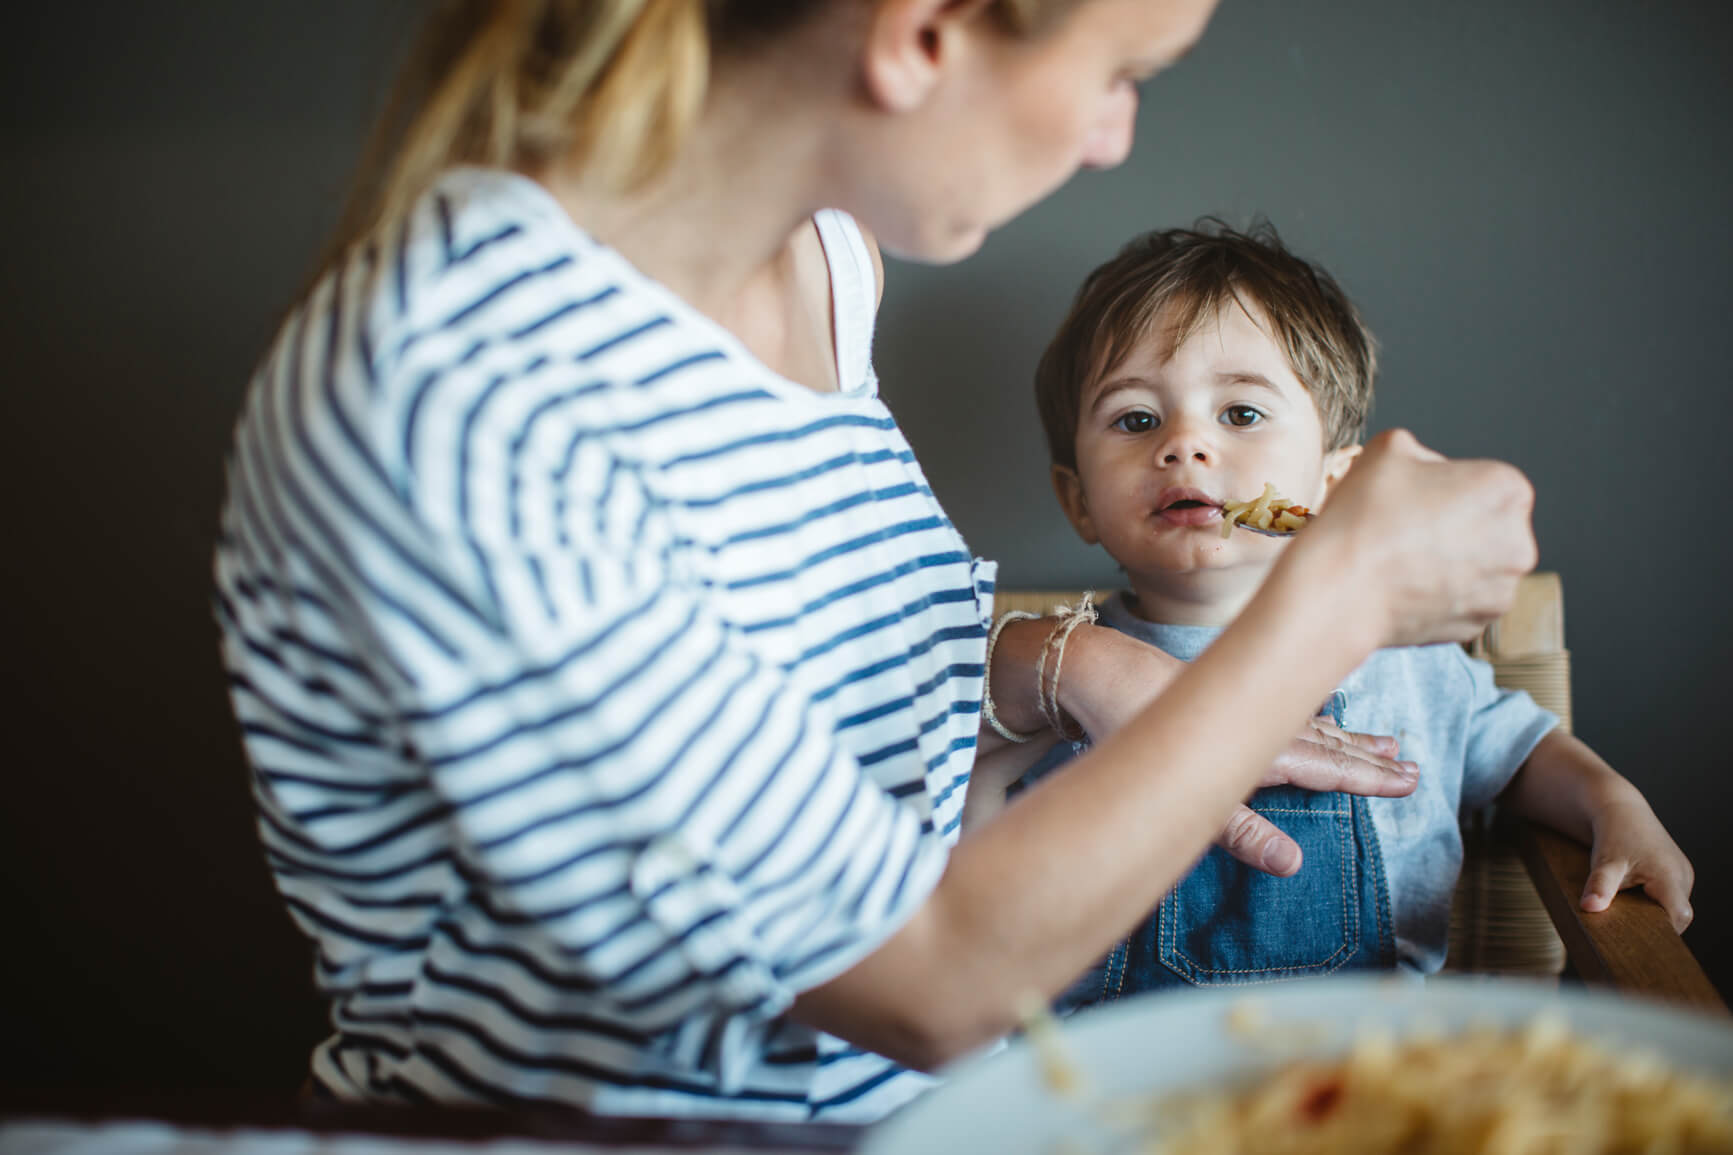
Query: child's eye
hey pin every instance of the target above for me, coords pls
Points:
(1241, 415)
(1137, 421)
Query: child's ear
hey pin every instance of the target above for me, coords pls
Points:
(1337, 463)
(1069, 489)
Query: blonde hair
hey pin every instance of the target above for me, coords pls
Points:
(613, 86)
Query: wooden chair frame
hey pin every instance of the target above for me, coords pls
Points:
(1630, 947)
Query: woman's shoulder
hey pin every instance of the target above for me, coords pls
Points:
(485, 280)
(477, 247)
(477, 304)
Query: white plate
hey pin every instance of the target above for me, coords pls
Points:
(1169, 1041)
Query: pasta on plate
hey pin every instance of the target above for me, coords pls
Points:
(1343, 1064)
(1536, 1090)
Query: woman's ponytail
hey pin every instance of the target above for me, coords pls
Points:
(614, 86)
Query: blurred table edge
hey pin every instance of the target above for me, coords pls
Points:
(236, 1110)
(1630, 947)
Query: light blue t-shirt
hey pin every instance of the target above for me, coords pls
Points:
(1468, 736)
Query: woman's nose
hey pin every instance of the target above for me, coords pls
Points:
(1109, 143)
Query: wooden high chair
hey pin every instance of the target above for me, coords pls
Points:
(1515, 911)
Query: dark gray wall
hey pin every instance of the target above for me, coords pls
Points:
(1528, 200)
(1530, 203)
(171, 171)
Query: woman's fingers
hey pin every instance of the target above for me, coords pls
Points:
(1323, 757)
(1402, 441)
(1381, 745)
(1255, 841)
(1434, 548)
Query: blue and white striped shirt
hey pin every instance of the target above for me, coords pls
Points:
(602, 689)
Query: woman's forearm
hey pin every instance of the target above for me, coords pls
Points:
(1106, 679)
(1034, 896)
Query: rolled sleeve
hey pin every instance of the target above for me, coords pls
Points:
(1504, 726)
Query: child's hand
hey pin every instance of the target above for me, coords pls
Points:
(1570, 788)
(1631, 848)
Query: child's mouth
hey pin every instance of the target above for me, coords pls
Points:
(1191, 512)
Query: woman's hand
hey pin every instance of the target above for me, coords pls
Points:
(1321, 757)
(1431, 549)
(1110, 677)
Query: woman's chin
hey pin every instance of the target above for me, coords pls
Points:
(939, 247)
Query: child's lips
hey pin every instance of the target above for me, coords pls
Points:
(1189, 514)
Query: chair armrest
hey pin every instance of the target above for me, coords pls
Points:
(1630, 946)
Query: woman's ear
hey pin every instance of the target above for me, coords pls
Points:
(1337, 463)
(909, 44)
(1068, 487)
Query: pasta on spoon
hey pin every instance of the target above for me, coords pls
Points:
(1268, 513)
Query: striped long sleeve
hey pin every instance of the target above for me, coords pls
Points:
(602, 691)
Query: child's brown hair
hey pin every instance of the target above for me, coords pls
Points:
(1198, 271)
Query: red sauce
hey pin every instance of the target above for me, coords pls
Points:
(1322, 1100)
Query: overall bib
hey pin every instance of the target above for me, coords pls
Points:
(1229, 924)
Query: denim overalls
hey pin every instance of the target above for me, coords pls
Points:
(1228, 924)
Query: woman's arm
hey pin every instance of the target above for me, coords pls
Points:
(1028, 900)
(1567, 786)
(1110, 678)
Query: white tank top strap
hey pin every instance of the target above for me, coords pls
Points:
(854, 299)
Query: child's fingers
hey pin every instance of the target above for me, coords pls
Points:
(1605, 881)
(1674, 895)
(1669, 889)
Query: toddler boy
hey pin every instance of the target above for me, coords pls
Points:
(1193, 368)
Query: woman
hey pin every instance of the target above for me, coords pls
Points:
(612, 679)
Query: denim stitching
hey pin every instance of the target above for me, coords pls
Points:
(1168, 931)
(1380, 885)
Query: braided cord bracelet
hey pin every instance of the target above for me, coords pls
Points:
(1070, 617)
(988, 711)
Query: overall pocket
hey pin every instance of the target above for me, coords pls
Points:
(1228, 923)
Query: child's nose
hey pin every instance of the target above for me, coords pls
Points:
(1185, 443)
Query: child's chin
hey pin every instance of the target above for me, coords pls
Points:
(1202, 559)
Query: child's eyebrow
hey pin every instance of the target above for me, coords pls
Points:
(1118, 385)
(1246, 377)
